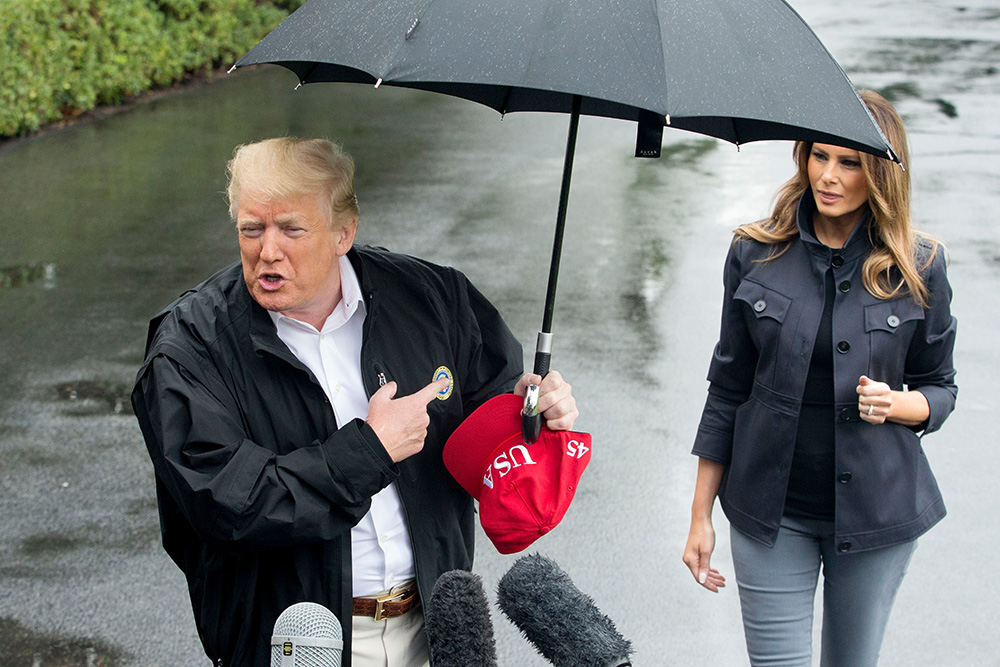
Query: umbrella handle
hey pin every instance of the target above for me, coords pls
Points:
(531, 419)
(543, 353)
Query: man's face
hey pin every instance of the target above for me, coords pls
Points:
(290, 256)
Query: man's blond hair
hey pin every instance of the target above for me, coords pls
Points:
(287, 168)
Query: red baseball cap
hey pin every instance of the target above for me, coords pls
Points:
(523, 490)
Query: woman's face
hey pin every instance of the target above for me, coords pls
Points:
(838, 183)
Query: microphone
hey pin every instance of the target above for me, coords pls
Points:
(457, 622)
(563, 623)
(307, 635)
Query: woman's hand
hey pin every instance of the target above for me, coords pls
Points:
(698, 555)
(877, 404)
(874, 400)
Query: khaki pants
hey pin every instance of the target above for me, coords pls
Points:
(393, 642)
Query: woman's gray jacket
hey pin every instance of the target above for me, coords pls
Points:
(886, 493)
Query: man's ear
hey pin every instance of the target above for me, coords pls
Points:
(344, 237)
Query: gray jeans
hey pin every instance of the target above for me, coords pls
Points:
(778, 586)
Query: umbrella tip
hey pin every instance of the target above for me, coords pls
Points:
(379, 82)
(895, 158)
(230, 70)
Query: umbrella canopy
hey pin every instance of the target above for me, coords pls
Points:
(739, 70)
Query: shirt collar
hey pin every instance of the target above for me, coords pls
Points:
(351, 302)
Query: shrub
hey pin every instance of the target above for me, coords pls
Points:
(62, 57)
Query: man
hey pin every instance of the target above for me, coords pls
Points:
(295, 406)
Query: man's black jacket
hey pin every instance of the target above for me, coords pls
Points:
(259, 487)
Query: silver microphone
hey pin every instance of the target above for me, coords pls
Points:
(307, 635)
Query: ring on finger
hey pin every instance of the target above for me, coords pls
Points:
(871, 409)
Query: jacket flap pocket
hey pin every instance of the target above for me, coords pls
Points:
(889, 315)
(763, 302)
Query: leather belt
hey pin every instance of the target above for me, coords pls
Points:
(387, 606)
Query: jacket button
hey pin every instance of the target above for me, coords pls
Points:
(845, 414)
(892, 321)
(837, 261)
(845, 286)
(843, 347)
(760, 305)
(845, 477)
(844, 547)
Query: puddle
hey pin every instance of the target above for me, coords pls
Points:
(95, 397)
(22, 646)
(25, 274)
(49, 543)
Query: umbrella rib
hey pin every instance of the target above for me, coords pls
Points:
(305, 77)
(409, 33)
(506, 98)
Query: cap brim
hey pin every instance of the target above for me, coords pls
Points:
(471, 444)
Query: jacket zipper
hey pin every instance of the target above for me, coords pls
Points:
(380, 374)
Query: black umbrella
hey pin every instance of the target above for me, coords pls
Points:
(739, 70)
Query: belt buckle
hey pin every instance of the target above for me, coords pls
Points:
(380, 602)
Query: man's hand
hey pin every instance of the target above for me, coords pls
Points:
(401, 423)
(555, 399)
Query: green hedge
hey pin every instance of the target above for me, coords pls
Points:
(62, 57)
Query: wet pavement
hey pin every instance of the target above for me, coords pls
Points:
(105, 222)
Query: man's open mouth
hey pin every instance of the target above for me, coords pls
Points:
(271, 281)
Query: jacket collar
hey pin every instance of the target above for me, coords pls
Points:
(264, 333)
(858, 244)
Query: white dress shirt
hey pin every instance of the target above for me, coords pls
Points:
(381, 552)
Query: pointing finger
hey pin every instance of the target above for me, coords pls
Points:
(428, 393)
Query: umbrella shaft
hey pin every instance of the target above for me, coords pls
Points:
(550, 296)
(542, 350)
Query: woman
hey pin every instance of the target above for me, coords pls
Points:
(835, 357)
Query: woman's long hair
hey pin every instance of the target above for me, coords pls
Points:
(892, 235)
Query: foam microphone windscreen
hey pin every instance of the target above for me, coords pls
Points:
(307, 635)
(564, 624)
(458, 624)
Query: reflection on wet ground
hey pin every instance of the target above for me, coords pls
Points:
(26, 274)
(24, 647)
(55, 553)
(90, 397)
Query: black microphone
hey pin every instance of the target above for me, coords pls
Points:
(307, 635)
(563, 623)
(457, 622)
